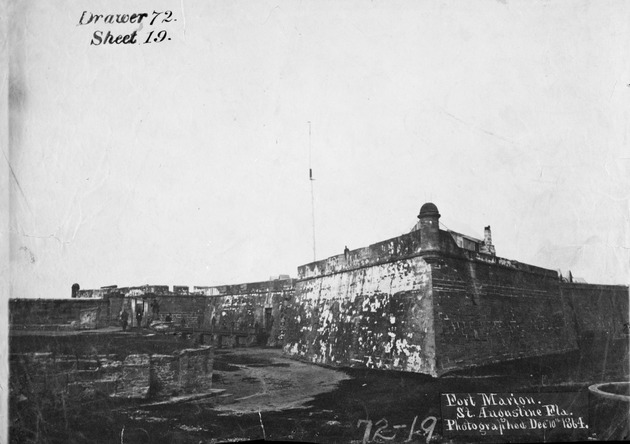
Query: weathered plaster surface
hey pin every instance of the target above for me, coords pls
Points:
(377, 316)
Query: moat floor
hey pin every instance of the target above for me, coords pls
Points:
(261, 394)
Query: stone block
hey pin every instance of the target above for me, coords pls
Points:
(81, 390)
(164, 374)
(135, 378)
(105, 386)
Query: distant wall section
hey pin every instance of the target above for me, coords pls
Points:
(598, 310)
(58, 313)
(232, 315)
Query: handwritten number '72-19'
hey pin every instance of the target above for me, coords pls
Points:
(427, 426)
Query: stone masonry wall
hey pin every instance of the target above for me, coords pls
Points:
(185, 310)
(390, 250)
(377, 316)
(248, 319)
(598, 310)
(86, 376)
(188, 371)
(195, 370)
(115, 304)
(487, 313)
(240, 315)
(58, 313)
(400, 305)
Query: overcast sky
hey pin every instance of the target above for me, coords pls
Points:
(186, 162)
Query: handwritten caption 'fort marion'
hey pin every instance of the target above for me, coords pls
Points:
(128, 29)
(543, 414)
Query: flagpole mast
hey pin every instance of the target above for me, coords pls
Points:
(311, 179)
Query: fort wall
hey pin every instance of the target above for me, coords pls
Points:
(371, 307)
(487, 313)
(251, 313)
(421, 302)
(491, 309)
(430, 301)
(234, 315)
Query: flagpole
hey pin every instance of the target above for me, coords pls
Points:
(311, 179)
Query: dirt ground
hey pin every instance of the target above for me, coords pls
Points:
(265, 380)
(268, 396)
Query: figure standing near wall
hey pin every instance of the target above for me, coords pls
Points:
(75, 290)
(139, 315)
(155, 308)
(124, 319)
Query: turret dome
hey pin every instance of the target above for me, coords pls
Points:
(428, 210)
